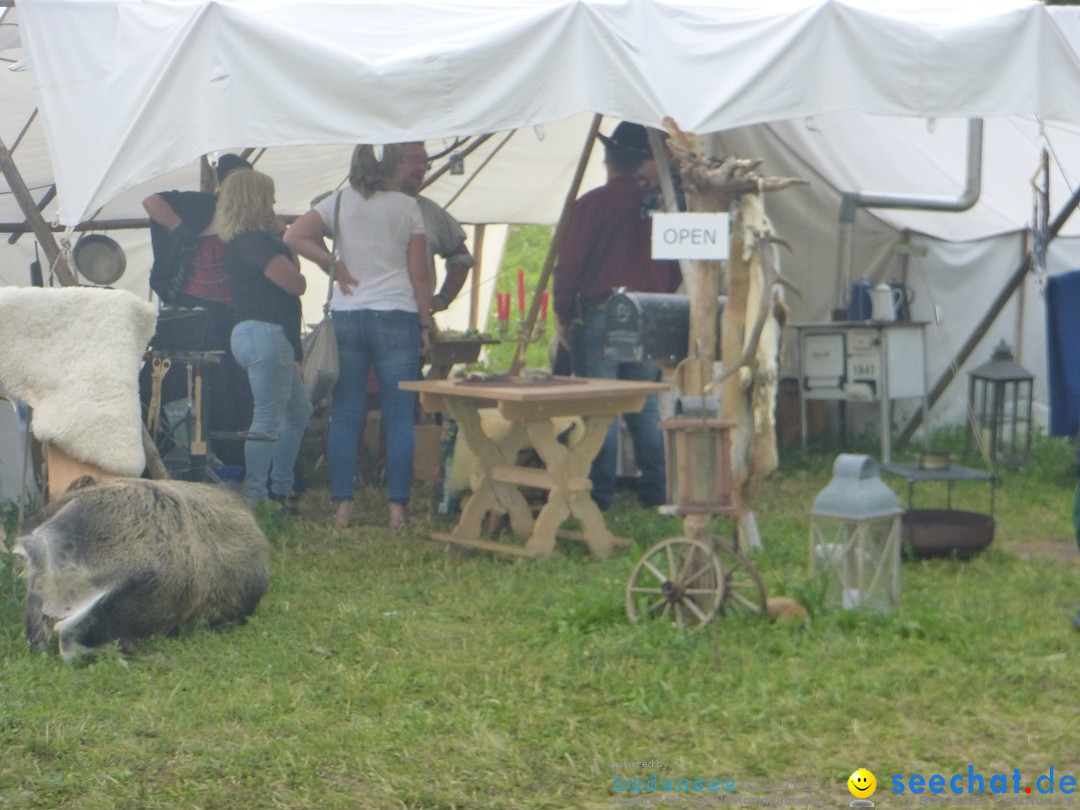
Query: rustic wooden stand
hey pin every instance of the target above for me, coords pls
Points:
(530, 406)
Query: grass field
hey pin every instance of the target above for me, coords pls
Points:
(381, 672)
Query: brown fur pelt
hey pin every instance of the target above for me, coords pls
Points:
(130, 558)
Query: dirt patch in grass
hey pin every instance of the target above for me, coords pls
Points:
(1063, 551)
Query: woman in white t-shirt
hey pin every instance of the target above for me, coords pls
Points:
(381, 309)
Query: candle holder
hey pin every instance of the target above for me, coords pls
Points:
(502, 324)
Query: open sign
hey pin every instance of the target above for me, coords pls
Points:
(690, 236)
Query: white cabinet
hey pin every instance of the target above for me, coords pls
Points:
(866, 361)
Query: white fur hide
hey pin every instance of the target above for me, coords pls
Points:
(74, 355)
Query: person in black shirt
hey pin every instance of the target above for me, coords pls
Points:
(266, 287)
(188, 272)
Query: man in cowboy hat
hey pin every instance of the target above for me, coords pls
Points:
(608, 245)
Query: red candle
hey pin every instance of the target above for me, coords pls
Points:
(543, 305)
(521, 291)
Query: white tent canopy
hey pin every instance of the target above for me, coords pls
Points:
(130, 89)
(864, 95)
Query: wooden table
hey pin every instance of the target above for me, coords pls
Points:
(530, 406)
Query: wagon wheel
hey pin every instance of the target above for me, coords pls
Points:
(744, 591)
(679, 578)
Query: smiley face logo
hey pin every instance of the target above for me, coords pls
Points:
(862, 784)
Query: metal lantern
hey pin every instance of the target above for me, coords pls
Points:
(855, 536)
(1000, 401)
(698, 456)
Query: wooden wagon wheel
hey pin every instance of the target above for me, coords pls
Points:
(744, 592)
(679, 579)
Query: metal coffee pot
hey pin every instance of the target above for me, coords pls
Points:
(884, 301)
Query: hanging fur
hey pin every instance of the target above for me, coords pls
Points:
(74, 355)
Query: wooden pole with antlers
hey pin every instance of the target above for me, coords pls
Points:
(716, 186)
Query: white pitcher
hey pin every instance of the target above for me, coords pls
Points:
(883, 302)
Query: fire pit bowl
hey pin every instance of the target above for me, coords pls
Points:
(944, 532)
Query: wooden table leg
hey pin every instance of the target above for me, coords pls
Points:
(489, 493)
(571, 487)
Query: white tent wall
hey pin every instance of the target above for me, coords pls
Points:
(969, 256)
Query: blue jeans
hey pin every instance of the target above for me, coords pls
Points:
(281, 409)
(644, 426)
(391, 340)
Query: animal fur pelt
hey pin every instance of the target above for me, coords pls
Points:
(129, 558)
(74, 355)
(754, 451)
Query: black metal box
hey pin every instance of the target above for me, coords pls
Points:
(649, 326)
(181, 329)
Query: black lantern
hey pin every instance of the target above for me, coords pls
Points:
(1000, 397)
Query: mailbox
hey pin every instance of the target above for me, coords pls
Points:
(650, 326)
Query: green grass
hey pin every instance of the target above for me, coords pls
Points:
(381, 672)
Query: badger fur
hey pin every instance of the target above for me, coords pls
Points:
(129, 558)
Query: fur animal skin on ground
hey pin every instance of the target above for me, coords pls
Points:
(131, 558)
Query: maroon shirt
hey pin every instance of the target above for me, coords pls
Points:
(607, 245)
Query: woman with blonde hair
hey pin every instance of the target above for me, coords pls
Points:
(267, 285)
(381, 309)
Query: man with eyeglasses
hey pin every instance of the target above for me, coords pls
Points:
(445, 236)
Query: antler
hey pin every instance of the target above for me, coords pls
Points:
(720, 181)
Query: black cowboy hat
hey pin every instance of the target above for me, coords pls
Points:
(628, 139)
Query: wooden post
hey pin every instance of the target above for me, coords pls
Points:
(57, 262)
(474, 283)
(553, 248)
(713, 187)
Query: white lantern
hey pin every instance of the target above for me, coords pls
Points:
(855, 536)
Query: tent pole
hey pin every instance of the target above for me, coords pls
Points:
(984, 325)
(46, 198)
(480, 168)
(474, 282)
(553, 248)
(57, 261)
(445, 167)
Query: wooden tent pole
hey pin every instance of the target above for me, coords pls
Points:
(553, 248)
(984, 325)
(474, 281)
(57, 262)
